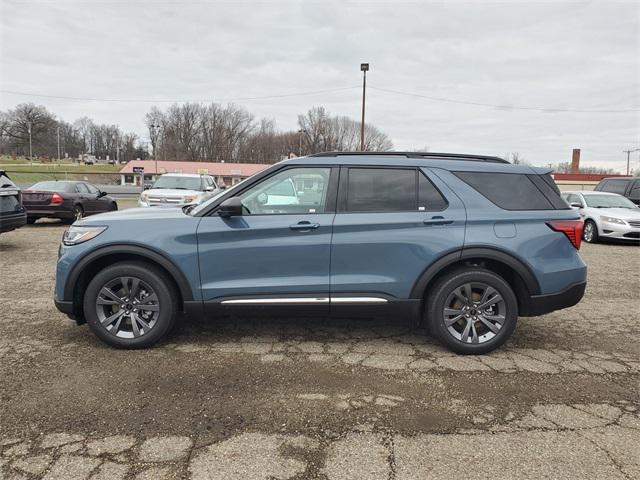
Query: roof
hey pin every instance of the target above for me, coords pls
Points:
(591, 192)
(205, 168)
(429, 155)
(189, 175)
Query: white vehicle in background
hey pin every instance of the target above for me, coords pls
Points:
(179, 189)
(606, 215)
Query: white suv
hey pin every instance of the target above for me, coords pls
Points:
(179, 189)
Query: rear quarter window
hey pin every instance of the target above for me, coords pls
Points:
(512, 191)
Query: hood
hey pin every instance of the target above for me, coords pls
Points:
(623, 213)
(170, 192)
(146, 213)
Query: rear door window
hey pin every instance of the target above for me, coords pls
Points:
(509, 191)
(381, 190)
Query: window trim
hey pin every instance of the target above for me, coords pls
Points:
(343, 187)
(331, 191)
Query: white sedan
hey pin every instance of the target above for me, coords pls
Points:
(606, 215)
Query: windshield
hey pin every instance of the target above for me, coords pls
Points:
(203, 206)
(180, 183)
(608, 201)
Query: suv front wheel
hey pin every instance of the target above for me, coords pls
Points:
(130, 305)
(472, 311)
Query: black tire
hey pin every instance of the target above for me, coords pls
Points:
(157, 280)
(590, 232)
(113, 207)
(445, 288)
(31, 220)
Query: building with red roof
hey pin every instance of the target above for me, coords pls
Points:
(225, 173)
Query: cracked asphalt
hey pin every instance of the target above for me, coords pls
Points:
(305, 399)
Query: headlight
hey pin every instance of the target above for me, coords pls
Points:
(143, 197)
(76, 235)
(613, 220)
(189, 199)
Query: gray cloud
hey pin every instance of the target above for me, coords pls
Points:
(555, 55)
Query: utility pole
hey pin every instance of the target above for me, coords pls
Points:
(58, 142)
(117, 147)
(30, 145)
(364, 68)
(300, 132)
(628, 152)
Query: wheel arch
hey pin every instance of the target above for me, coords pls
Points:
(95, 261)
(512, 269)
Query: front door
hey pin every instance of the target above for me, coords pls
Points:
(391, 223)
(277, 252)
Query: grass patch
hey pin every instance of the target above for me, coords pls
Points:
(25, 173)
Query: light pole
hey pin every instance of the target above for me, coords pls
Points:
(30, 145)
(154, 141)
(300, 132)
(628, 152)
(58, 142)
(364, 68)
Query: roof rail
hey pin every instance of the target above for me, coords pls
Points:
(430, 155)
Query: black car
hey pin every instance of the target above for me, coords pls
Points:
(67, 200)
(12, 213)
(626, 186)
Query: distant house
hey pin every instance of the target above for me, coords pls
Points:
(225, 173)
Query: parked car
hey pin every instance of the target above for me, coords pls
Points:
(67, 200)
(462, 243)
(178, 189)
(626, 186)
(606, 215)
(12, 213)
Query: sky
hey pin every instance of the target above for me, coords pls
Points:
(549, 76)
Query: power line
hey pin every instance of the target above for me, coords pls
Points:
(503, 107)
(148, 100)
(331, 90)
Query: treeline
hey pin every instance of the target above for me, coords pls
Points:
(216, 132)
(31, 130)
(189, 131)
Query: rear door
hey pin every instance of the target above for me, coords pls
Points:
(85, 197)
(391, 224)
(276, 253)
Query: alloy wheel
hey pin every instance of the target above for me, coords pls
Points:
(588, 232)
(474, 313)
(127, 307)
(78, 213)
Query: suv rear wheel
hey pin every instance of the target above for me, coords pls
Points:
(130, 305)
(472, 311)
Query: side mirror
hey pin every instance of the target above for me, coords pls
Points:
(208, 188)
(231, 207)
(576, 205)
(102, 194)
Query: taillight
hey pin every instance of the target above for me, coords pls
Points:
(571, 228)
(55, 198)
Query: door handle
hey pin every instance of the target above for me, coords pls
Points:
(304, 226)
(437, 220)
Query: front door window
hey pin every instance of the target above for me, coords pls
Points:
(292, 191)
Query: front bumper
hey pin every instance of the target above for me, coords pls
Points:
(12, 221)
(65, 307)
(619, 232)
(543, 304)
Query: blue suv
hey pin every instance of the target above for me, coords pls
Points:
(463, 244)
